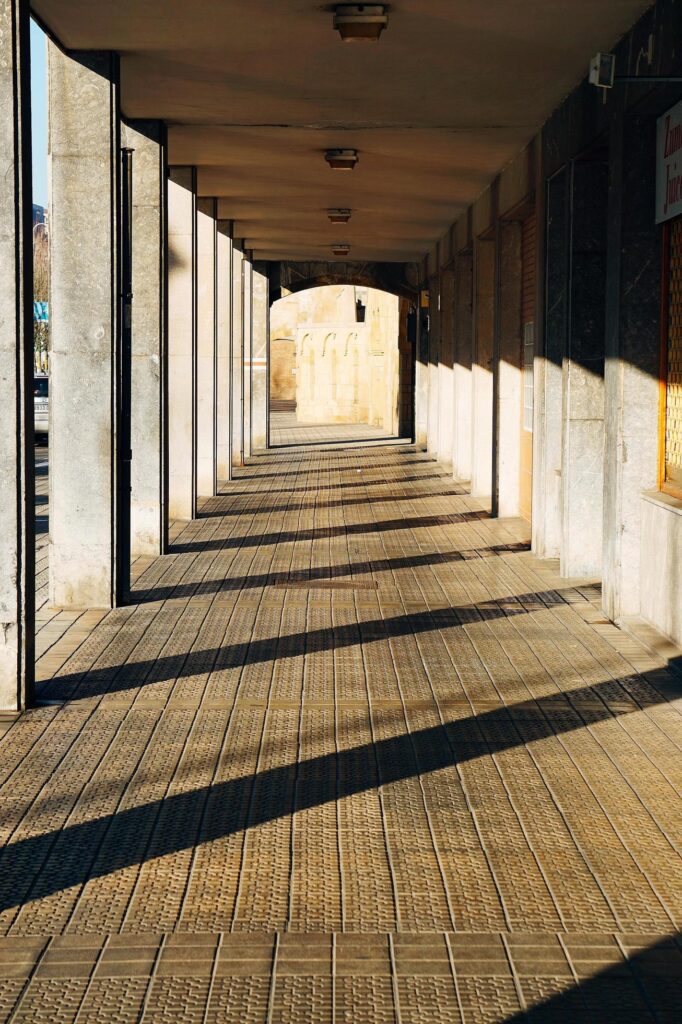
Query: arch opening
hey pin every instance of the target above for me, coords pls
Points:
(341, 364)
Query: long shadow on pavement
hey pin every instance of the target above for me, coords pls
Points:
(312, 573)
(381, 482)
(300, 506)
(325, 532)
(41, 865)
(644, 989)
(131, 675)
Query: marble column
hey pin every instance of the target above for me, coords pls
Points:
(260, 346)
(224, 352)
(461, 378)
(482, 369)
(237, 354)
(182, 343)
(421, 374)
(17, 502)
(632, 363)
(434, 358)
(148, 512)
(247, 348)
(445, 367)
(207, 345)
(548, 386)
(582, 450)
(509, 370)
(87, 515)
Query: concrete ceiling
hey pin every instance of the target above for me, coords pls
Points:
(255, 91)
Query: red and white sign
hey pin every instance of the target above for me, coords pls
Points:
(669, 164)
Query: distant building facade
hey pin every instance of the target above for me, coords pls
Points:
(335, 355)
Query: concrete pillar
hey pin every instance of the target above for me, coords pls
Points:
(509, 370)
(224, 352)
(434, 359)
(569, 392)
(182, 342)
(421, 382)
(461, 382)
(547, 430)
(247, 346)
(582, 454)
(237, 354)
(87, 517)
(632, 361)
(260, 344)
(17, 504)
(407, 346)
(148, 518)
(445, 367)
(207, 345)
(481, 369)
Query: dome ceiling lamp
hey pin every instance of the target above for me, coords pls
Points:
(342, 159)
(360, 23)
(340, 216)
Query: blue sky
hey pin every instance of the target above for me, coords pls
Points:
(39, 114)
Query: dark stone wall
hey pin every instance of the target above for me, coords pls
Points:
(602, 263)
(557, 261)
(588, 115)
(588, 248)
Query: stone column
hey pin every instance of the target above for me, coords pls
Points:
(421, 374)
(461, 452)
(445, 367)
(148, 516)
(207, 341)
(247, 348)
(237, 354)
(17, 502)
(182, 340)
(547, 392)
(632, 361)
(481, 369)
(434, 359)
(582, 455)
(85, 524)
(224, 352)
(259, 357)
(509, 371)
(407, 344)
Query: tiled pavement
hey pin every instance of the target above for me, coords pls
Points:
(52, 623)
(354, 756)
(287, 432)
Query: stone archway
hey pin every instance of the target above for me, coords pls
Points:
(401, 279)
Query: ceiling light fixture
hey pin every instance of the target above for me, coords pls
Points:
(342, 159)
(339, 216)
(360, 23)
(340, 248)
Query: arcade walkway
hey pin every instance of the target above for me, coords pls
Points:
(353, 756)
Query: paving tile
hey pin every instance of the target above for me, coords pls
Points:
(353, 755)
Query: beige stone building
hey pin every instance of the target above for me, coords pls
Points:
(336, 353)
